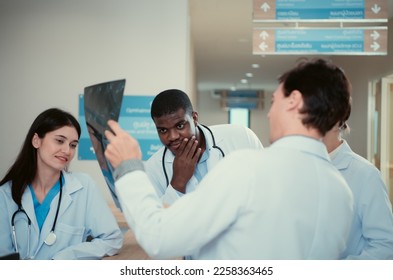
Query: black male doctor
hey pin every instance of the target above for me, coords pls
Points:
(175, 169)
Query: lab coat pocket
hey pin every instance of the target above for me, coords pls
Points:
(72, 234)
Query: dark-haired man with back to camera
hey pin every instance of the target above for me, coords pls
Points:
(286, 201)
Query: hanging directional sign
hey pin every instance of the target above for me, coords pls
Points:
(333, 41)
(331, 10)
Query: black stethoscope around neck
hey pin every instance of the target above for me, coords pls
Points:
(214, 147)
(51, 238)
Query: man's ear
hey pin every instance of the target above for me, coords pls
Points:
(295, 100)
(195, 117)
(36, 141)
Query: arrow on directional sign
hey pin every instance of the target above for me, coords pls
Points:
(263, 46)
(264, 35)
(375, 46)
(375, 35)
(376, 9)
(265, 7)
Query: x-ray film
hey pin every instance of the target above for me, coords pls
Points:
(102, 102)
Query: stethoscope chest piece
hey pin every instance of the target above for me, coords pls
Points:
(50, 239)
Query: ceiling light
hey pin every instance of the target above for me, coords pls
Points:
(249, 75)
(244, 81)
(255, 65)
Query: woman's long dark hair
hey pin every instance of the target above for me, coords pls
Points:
(24, 169)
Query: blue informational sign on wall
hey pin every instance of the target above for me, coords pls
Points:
(134, 118)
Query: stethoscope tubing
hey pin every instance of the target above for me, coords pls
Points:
(21, 210)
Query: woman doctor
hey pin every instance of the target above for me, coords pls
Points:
(46, 212)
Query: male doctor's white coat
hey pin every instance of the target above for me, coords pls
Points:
(284, 202)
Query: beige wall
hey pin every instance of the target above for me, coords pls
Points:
(50, 50)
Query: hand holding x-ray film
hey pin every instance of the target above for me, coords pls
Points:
(122, 146)
(102, 102)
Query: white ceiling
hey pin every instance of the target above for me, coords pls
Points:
(222, 38)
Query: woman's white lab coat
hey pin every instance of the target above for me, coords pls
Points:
(83, 212)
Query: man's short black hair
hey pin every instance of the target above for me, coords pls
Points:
(169, 101)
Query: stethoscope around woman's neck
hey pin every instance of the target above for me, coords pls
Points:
(51, 238)
(214, 147)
